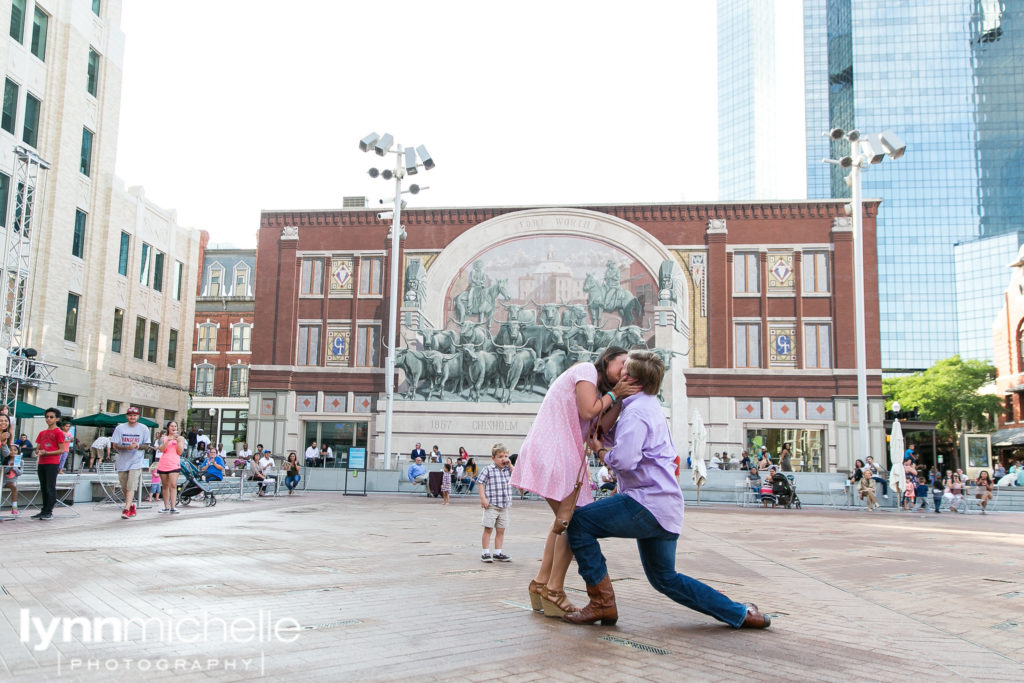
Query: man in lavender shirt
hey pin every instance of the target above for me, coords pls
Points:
(648, 508)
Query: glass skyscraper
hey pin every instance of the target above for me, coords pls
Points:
(947, 76)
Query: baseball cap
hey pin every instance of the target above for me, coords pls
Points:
(132, 411)
(266, 450)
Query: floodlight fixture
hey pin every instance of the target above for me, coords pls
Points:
(871, 149)
(367, 143)
(383, 145)
(373, 173)
(410, 161)
(892, 144)
(428, 161)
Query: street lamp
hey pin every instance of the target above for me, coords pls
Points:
(864, 150)
(405, 164)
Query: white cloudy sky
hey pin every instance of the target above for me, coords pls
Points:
(233, 106)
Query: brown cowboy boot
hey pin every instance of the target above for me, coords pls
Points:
(600, 608)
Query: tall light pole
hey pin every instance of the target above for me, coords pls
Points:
(405, 164)
(864, 150)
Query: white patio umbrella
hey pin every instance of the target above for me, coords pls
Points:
(698, 449)
(897, 476)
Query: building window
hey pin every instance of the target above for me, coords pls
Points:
(93, 73)
(172, 349)
(240, 336)
(66, 401)
(148, 412)
(309, 345)
(18, 20)
(113, 407)
(213, 287)
(178, 268)
(71, 318)
(96, 7)
(30, 129)
(25, 198)
(140, 337)
(748, 345)
(122, 256)
(144, 265)
(370, 275)
(241, 287)
(815, 272)
(154, 339)
(312, 276)
(367, 345)
(78, 240)
(10, 113)
(204, 380)
(746, 269)
(85, 166)
(118, 332)
(170, 415)
(40, 22)
(5, 192)
(238, 381)
(817, 346)
(207, 337)
(158, 271)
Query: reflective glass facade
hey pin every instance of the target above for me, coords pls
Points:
(747, 109)
(948, 77)
(982, 275)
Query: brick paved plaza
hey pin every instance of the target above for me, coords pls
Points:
(391, 586)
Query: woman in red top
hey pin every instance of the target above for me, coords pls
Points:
(170, 446)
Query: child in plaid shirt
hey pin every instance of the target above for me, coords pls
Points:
(495, 498)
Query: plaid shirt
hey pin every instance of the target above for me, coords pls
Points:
(496, 485)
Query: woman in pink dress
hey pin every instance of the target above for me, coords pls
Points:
(549, 460)
(170, 447)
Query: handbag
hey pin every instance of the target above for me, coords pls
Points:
(568, 505)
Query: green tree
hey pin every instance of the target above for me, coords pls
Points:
(947, 393)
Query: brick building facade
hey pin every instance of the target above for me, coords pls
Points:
(753, 302)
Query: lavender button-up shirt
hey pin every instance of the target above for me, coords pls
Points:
(644, 460)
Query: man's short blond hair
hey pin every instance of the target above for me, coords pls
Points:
(498, 448)
(647, 368)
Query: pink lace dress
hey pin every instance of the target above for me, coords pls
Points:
(549, 460)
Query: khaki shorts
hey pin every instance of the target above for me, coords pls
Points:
(129, 479)
(495, 518)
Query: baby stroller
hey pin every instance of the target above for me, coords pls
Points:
(784, 491)
(194, 485)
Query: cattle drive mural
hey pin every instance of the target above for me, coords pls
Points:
(522, 312)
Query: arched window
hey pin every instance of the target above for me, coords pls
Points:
(241, 283)
(241, 335)
(204, 380)
(206, 340)
(238, 380)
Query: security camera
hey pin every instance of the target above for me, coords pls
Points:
(385, 215)
(410, 161)
(386, 174)
(383, 145)
(892, 144)
(428, 161)
(836, 133)
(373, 172)
(853, 135)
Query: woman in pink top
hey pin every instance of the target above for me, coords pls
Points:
(549, 460)
(170, 447)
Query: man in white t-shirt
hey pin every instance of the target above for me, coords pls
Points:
(606, 479)
(312, 454)
(716, 462)
(267, 465)
(202, 438)
(244, 453)
(130, 440)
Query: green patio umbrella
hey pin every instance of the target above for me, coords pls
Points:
(99, 420)
(28, 410)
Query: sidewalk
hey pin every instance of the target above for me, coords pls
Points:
(390, 587)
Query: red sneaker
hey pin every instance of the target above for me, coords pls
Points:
(131, 512)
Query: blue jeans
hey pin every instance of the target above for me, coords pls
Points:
(292, 480)
(884, 483)
(622, 517)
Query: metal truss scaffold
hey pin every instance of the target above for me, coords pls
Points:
(19, 363)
